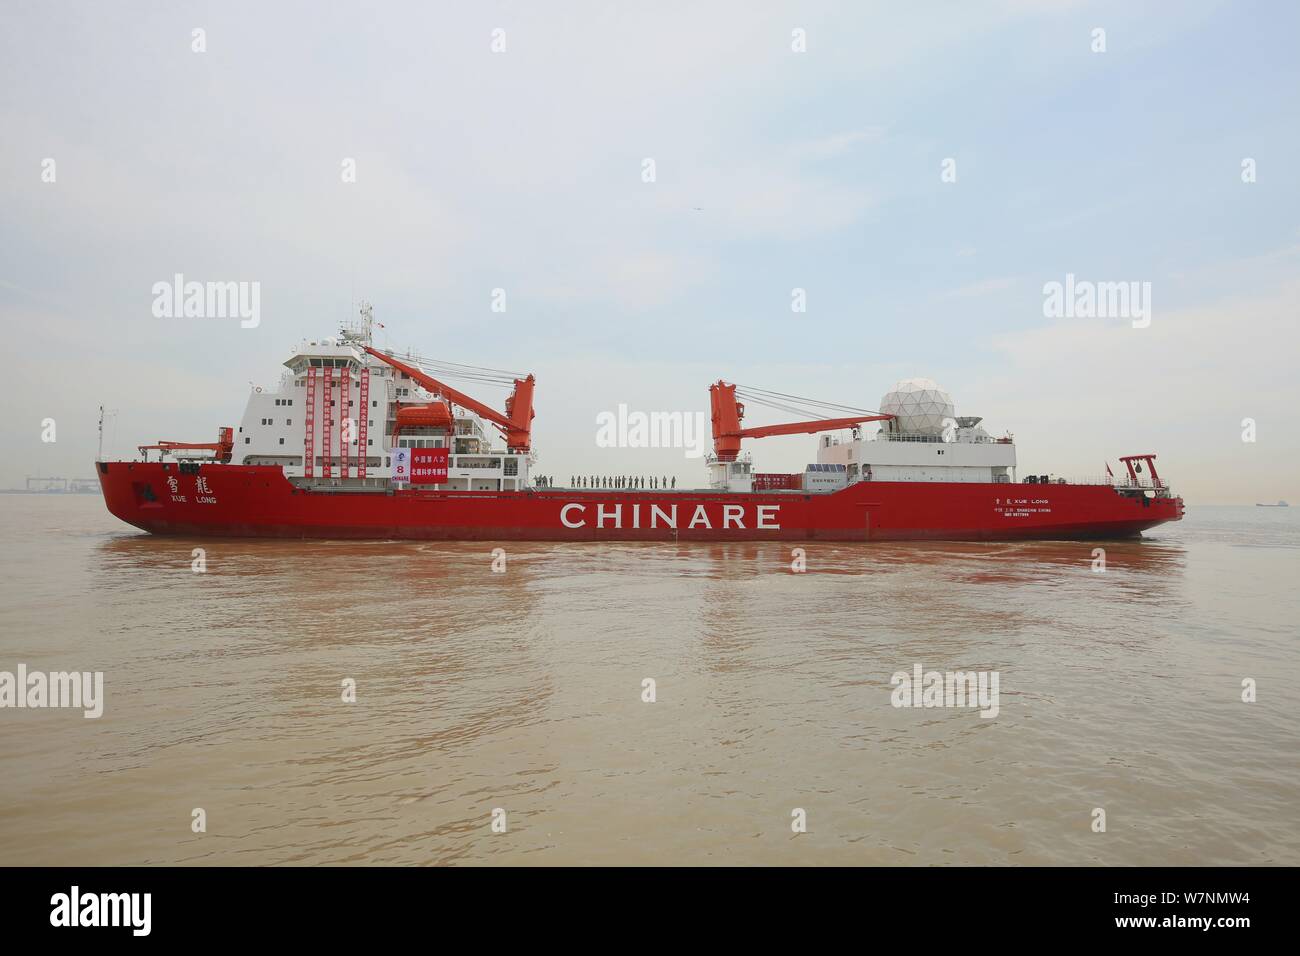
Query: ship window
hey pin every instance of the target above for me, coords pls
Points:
(374, 404)
(281, 441)
(370, 441)
(288, 421)
(247, 441)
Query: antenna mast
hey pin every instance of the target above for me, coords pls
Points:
(367, 319)
(360, 333)
(102, 413)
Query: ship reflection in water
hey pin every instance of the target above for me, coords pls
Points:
(523, 690)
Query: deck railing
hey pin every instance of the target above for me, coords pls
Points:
(1116, 482)
(939, 439)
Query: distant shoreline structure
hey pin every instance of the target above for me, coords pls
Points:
(55, 486)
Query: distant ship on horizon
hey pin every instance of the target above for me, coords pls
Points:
(1280, 504)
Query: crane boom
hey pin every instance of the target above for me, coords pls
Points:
(728, 414)
(516, 423)
(222, 449)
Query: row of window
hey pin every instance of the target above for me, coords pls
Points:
(332, 363)
(373, 402)
(284, 401)
(370, 422)
(348, 363)
(369, 441)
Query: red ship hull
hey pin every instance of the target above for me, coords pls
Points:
(258, 501)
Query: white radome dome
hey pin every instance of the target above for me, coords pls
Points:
(919, 405)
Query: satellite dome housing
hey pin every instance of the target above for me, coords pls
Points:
(919, 406)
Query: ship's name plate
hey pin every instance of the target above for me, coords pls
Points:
(647, 515)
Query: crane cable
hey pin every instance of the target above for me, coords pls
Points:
(771, 399)
(470, 373)
(760, 393)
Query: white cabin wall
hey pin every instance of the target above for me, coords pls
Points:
(966, 461)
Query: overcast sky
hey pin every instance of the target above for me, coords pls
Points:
(775, 169)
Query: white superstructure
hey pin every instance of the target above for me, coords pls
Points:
(926, 441)
(279, 423)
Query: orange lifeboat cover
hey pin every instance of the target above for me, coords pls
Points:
(433, 415)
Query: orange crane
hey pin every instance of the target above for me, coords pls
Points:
(516, 424)
(728, 413)
(222, 449)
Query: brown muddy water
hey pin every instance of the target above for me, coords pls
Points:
(523, 692)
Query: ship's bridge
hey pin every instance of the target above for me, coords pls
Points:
(331, 422)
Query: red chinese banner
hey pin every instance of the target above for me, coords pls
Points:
(362, 421)
(345, 403)
(428, 466)
(309, 420)
(326, 467)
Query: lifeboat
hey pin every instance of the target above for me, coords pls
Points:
(432, 415)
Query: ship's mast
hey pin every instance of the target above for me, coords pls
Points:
(360, 333)
(102, 413)
(367, 319)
